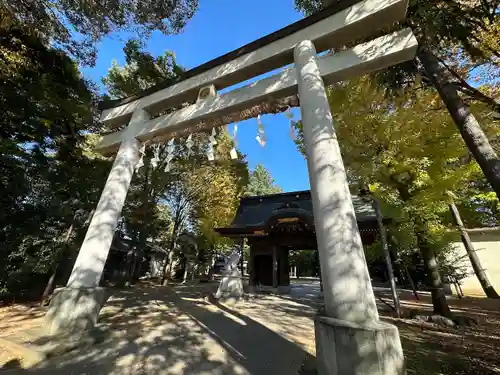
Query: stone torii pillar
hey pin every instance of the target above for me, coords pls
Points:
(350, 339)
(76, 306)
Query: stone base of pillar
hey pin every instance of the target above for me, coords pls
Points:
(74, 310)
(352, 349)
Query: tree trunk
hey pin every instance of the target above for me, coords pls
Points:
(49, 288)
(132, 267)
(144, 232)
(432, 273)
(474, 137)
(211, 265)
(194, 270)
(167, 267)
(412, 284)
(387, 256)
(460, 290)
(489, 290)
(395, 243)
(186, 271)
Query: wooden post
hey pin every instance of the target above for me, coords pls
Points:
(275, 267)
(242, 248)
(251, 269)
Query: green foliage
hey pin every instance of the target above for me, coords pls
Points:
(197, 194)
(305, 261)
(261, 183)
(219, 186)
(48, 171)
(77, 26)
(407, 151)
(406, 148)
(464, 34)
(41, 89)
(140, 72)
(373, 253)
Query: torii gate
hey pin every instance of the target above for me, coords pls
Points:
(350, 339)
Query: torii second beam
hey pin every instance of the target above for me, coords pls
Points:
(365, 58)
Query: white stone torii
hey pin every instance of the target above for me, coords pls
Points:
(350, 339)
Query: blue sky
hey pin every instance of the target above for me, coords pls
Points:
(219, 27)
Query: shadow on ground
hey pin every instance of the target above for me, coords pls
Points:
(152, 330)
(429, 349)
(436, 350)
(14, 316)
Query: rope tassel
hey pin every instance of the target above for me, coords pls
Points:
(211, 142)
(233, 153)
(289, 115)
(170, 154)
(261, 136)
(156, 157)
(140, 163)
(189, 144)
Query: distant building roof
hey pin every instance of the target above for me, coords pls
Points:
(125, 245)
(257, 213)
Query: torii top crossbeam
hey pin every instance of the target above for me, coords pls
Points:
(335, 26)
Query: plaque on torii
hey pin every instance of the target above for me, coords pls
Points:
(350, 339)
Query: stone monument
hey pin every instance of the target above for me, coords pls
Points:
(231, 285)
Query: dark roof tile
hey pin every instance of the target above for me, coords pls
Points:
(256, 211)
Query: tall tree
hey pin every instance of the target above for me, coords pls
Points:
(475, 138)
(77, 26)
(462, 31)
(149, 185)
(219, 186)
(409, 152)
(488, 289)
(198, 194)
(261, 183)
(141, 70)
(47, 171)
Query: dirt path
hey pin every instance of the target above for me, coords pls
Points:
(152, 330)
(13, 320)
